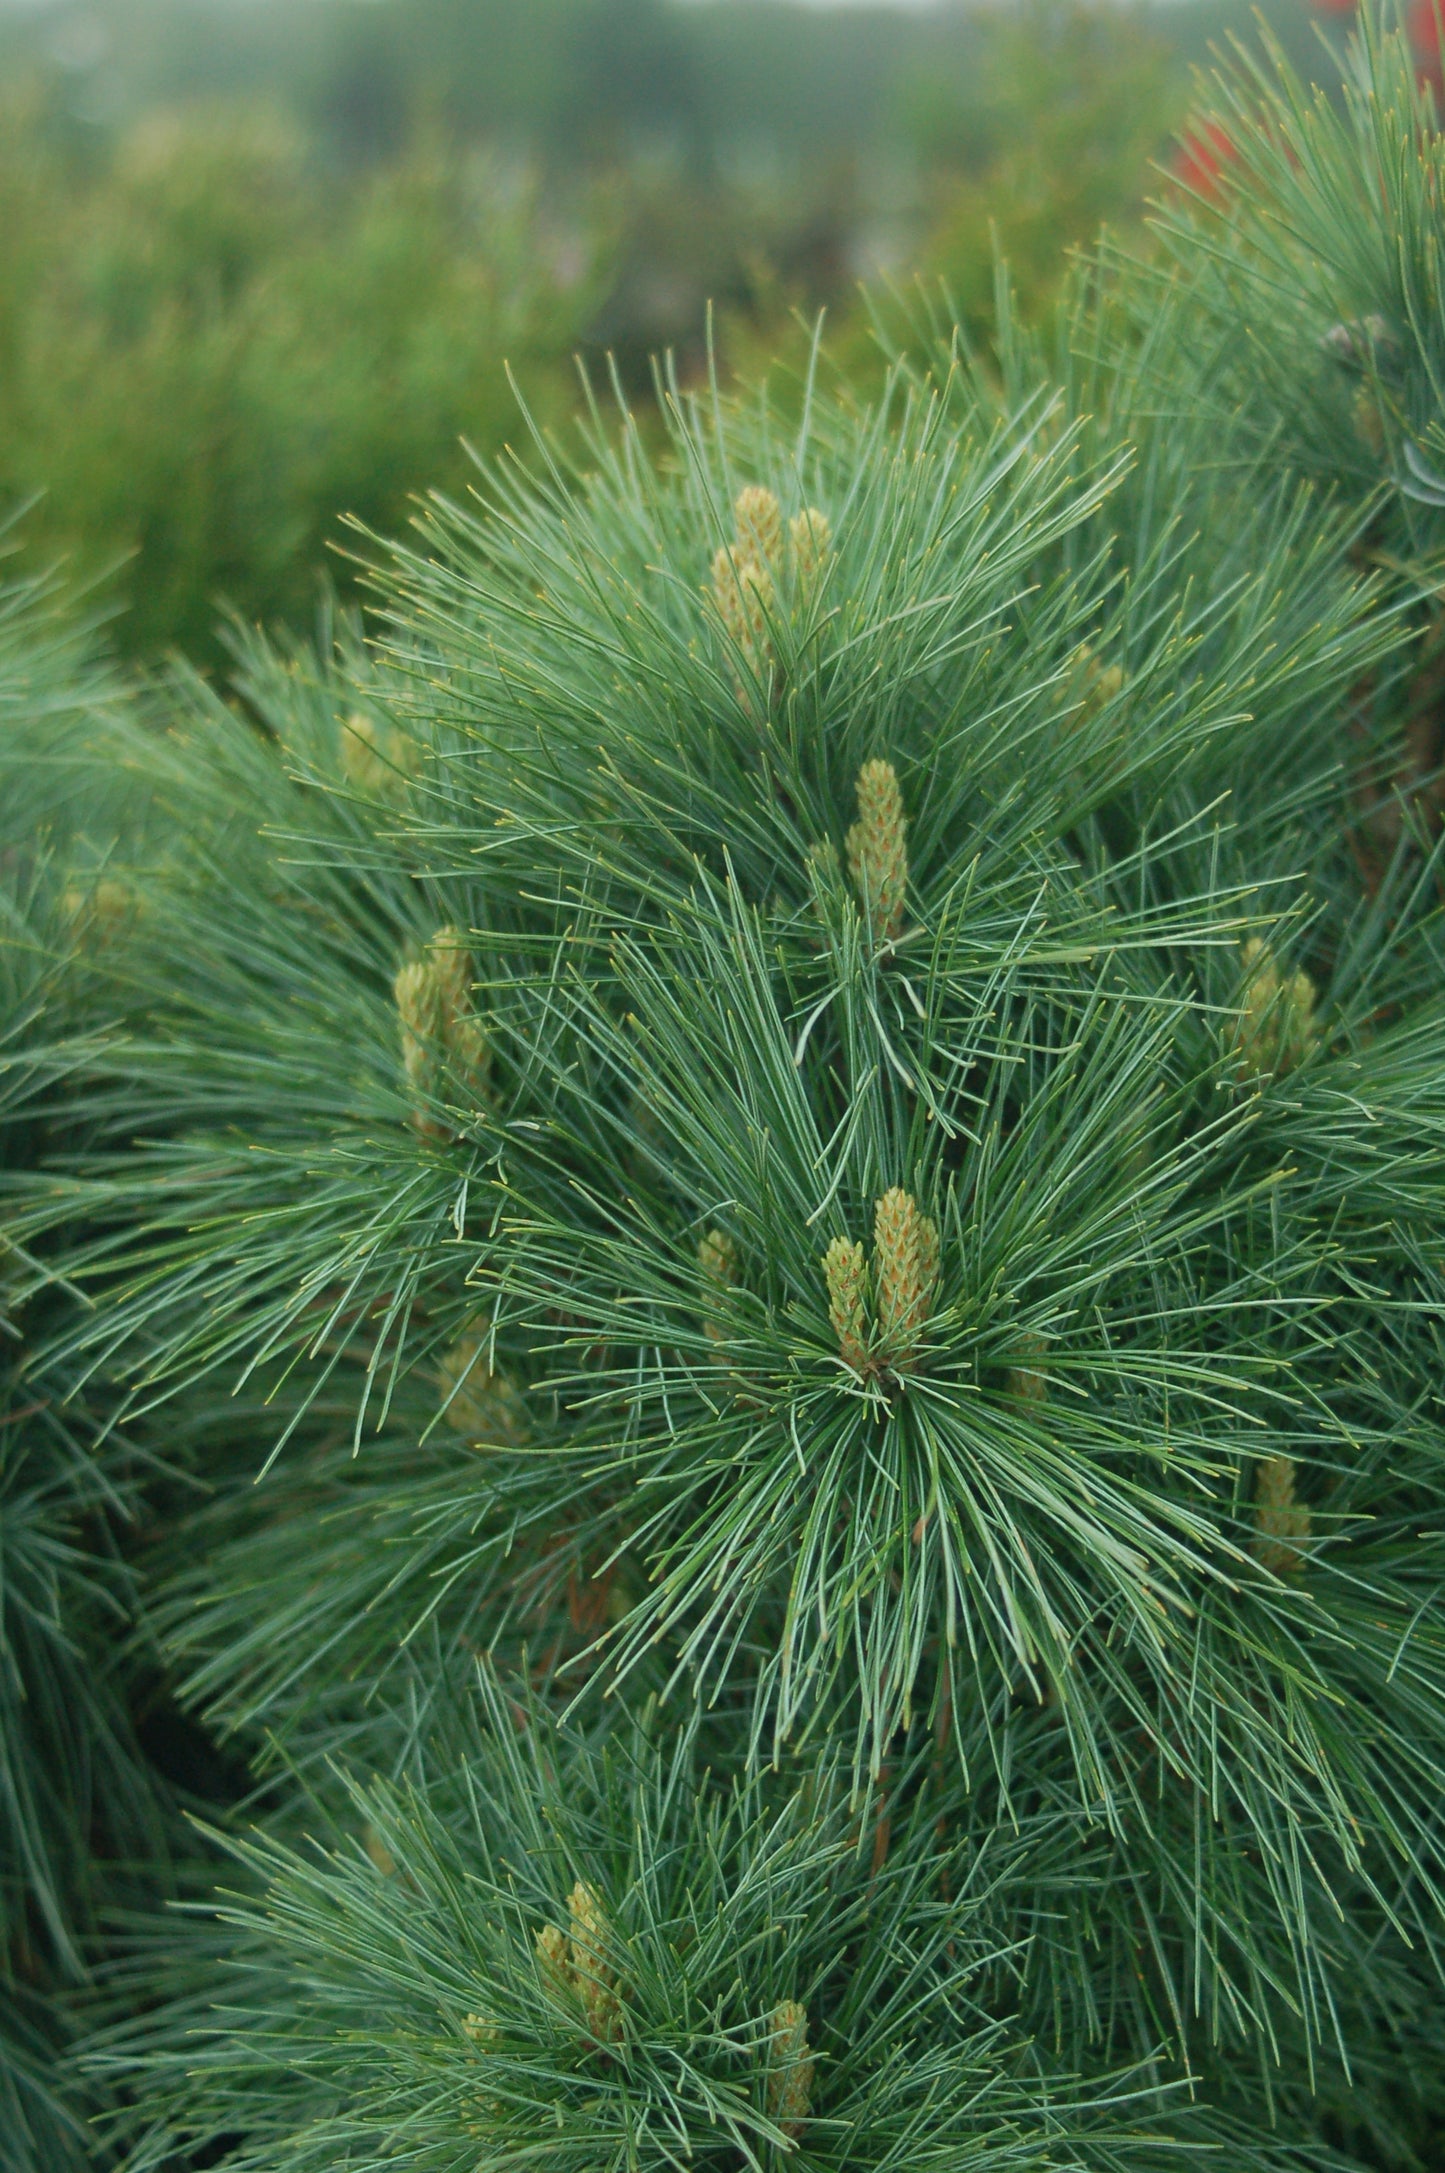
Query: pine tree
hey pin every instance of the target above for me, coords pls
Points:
(794, 1111)
(83, 1820)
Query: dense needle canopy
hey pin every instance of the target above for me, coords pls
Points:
(804, 1097)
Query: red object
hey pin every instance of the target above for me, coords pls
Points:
(1423, 25)
(1423, 28)
(1202, 157)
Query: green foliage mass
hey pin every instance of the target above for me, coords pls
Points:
(207, 352)
(773, 1152)
(83, 1823)
(643, 1960)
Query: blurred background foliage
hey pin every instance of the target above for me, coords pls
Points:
(267, 262)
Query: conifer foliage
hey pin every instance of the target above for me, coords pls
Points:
(82, 1819)
(781, 1158)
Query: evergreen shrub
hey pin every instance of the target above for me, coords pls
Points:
(84, 1824)
(779, 1152)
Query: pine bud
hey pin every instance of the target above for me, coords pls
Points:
(905, 1270)
(552, 1958)
(483, 1405)
(1361, 341)
(846, 1274)
(1279, 1519)
(717, 1259)
(419, 1003)
(811, 535)
(878, 852)
(378, 1851)
(100, 912)
(592, 1971)
(760, 525)
(1275, 1028)
(433, 998)
(744, 593)
(1090, 685)
(790, 2068)
(824, 871)
(471, 1051)
(1368, 422)
(462, 1030)
(374, 758)
(451, 962)
(1025, 1382)
(717, 1256)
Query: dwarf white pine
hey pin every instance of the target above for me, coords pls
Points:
(836, 1160)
